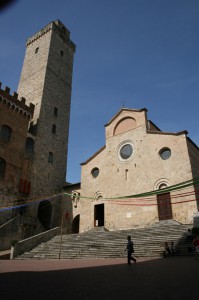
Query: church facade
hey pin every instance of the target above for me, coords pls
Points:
(141, 176)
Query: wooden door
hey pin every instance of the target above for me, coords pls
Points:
(164, 206)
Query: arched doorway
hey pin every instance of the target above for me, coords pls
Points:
(44, 213)
(75, 224)
(164, 204)
(99, 215)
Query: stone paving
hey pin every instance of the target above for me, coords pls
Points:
(166, 278)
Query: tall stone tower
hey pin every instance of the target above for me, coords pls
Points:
(46, 81)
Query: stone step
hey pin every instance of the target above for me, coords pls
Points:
(99, 243)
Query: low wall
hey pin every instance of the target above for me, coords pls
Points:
(31, 242)
(9, 231)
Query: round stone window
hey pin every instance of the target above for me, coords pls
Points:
(165, 153)
(95, 172)
(126, 151)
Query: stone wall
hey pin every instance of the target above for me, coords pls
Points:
(30, 243)
(46, 80)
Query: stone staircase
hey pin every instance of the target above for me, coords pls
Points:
(100, 243)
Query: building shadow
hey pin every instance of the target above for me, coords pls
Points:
(155, 279)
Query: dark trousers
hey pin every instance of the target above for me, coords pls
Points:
(130, 257)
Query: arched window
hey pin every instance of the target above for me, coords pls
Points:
(2, 167)
(6, 132)
(30, 145)
(50, 157)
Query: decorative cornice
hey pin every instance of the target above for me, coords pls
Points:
(38, 35)
(167, 133)
(125, 109)
(59, 28)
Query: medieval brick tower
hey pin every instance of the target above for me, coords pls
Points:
(46, 81)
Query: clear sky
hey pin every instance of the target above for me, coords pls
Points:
(131, 53)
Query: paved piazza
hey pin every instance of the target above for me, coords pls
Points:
(169, 278)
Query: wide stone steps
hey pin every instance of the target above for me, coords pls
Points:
(99, 243)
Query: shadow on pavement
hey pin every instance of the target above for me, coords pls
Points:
(170, 278)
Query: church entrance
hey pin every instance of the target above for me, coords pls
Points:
(164, 206)
(99, 215)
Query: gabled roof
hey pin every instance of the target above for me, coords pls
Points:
(124, 109)
(150, 122)
(69, 185)
(94, 155)
(190, 140)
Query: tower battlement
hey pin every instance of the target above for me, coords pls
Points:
(15, 103)
(56, 26)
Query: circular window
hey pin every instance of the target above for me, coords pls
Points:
(165, 153)
(126, 151)
(95, 172)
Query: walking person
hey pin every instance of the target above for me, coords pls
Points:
(130, 250)
(167, 250)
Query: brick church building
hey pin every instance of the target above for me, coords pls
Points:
(141, 176)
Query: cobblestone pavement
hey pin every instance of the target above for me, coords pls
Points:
(169, 278)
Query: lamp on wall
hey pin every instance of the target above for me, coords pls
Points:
(75, 196)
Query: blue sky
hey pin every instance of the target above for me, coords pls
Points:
(131, 53)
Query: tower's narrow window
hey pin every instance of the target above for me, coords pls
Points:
(29, 145)
(2, 167)
(62, 53)
(55, 111)
(50, 157)
(54, 128)
(5, 134)
(36, 50)
(126, 174)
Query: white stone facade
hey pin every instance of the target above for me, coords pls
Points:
(145, 170)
